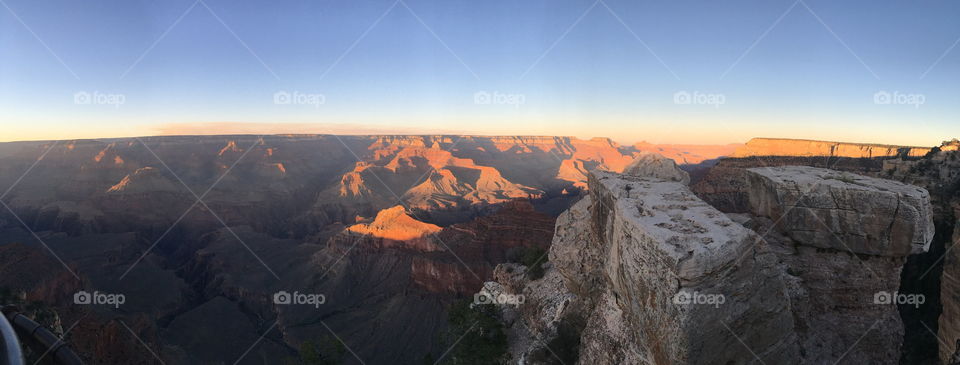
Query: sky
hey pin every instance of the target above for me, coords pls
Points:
(677, 71)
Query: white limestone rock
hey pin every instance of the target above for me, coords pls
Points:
(842, 211)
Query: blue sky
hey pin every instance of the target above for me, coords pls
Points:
(612, 68)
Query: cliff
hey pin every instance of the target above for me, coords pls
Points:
(843, 240)
(806, 148)
(652, 274)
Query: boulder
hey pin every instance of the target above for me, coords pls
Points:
(842, 211)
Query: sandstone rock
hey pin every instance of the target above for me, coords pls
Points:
(654, 165)
(395, 224)
(802, 147)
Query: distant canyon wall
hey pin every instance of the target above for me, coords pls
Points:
(809, 148)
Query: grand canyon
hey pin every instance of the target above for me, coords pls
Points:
(203, 236)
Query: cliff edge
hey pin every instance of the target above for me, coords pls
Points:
(651, 274)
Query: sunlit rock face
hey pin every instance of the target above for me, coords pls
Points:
(808, 148)
(394, 226)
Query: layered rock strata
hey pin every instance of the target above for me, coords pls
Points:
(805, 148)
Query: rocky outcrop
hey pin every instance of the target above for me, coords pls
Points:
(394, 227)
(840, 211)
(843, 240)
(657, 279)
(804, 148)
(656, 166)
(723, 186)
(669, 259)
(938, 171)
(661, 277)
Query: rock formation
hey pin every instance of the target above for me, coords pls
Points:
(840, 211)
(689, 154)
(656, 166)
(768, 147)
(843, 240)
(937, 171)
(395, 227)
(659, 276)
(655, 274)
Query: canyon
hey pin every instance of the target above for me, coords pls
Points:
(201, 232)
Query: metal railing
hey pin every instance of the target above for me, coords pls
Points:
(15, 326)
(10, 353)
